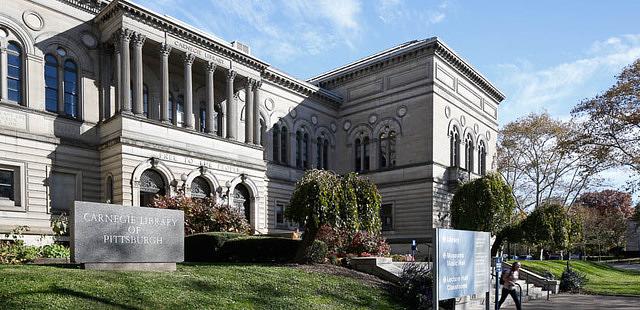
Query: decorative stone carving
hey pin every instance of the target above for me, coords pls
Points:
(402, 111)
(89, 40)
(463, 120)
(488, 135)
(314, 120)
(165, 49)
(293, 112)
(373, 118)
(231, 75)
(33, 20)
(333, 127)
(447, 111)
(346, 125)
(476, 128)
(269, 104)
(189, 58)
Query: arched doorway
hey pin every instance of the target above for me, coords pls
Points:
(200, 188)
(151, 184)
(242, 201)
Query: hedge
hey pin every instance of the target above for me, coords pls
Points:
(203, 247)
(236, 247)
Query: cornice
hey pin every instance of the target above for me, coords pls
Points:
(402, 54)
(303, 88)
(89, 6)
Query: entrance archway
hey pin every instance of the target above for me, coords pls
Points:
(242, 201)
(151, 184)
(200, 188)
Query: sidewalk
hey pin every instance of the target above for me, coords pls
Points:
(586, 302)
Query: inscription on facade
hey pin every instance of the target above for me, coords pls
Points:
(105, 233)
(196, 162)
(198, 52)
(13, 120)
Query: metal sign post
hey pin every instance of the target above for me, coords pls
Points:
(434, 268)
(498, 272)
(414, 249)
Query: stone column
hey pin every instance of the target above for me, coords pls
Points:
(165, 50)
(138, 85)
(125, 70)
(211, 68)
(256, 113)
(188, 90)
(4, 92)
(248, 110)
(232, 118)
(117, 61)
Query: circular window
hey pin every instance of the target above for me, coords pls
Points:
(61, 51)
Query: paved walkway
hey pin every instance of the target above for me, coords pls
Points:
(586, 302)
(635, 267)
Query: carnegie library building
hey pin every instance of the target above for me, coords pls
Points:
(107, 101)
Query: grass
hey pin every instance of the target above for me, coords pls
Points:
(202, 286)
(603, 279)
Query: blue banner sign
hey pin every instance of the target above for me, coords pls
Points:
(462, 262)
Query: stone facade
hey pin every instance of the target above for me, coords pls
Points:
(107, 101)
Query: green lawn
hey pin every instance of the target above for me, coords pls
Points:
(216, 286)
(603, 279)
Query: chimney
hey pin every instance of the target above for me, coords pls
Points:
(241, 47)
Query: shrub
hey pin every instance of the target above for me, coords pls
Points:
(55, 251)
(367, 244)
(60, 224)
(317, 252)
(204, 247)
(205, 215)
(16, 252)
(572, 280)
(415, 286)
(259, 250)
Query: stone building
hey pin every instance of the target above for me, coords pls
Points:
(108, 101)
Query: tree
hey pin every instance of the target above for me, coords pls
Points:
(636, 213)
(604, 217)
(548, 227)
(322, 197)
(538, 160)
(610, 130)
(484, 204)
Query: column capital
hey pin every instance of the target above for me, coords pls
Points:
(165, 49)
(138, 39)
(188, 59)
(250, 83)
(211, 66)
(256, 85)
(231, 75)
(123, 34)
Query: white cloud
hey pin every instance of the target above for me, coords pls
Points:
(557, 88)
(397, 11)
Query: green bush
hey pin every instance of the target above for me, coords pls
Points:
(572, 280)
(204, 247)
(16, 252)
(259, 250)
(317, 252)
(416, 286)
(55, 251)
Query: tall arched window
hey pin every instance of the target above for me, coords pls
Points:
(200, 188)
(263, 132)
(151, 184)
(482, 158)
(284, 145)
(276, 142)
(454, 149)
(180, 110)
(325, 154)
(171, 104)
(298, 149)
(145, 100)
(51, 83)
(358, 149)
(387, 147)
(306, 158)
(70, 88)
(14, 72)
(319, 153)
(365, 154)
(469, 151)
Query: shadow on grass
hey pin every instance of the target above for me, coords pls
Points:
(8, 301)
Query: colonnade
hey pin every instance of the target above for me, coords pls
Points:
(129, 100)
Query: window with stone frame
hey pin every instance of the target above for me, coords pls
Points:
(15, 75)
(200, 188)
(276, 143)
(284, 145)
(469, 152)
(51, 78)
(202, 118)
(7, 185)
(322, 153)
(11, 185)
(482, 158)
(362, 157)
(386, 216)
(454, 146)
(387, 148)
(281, 221)
(62, 191)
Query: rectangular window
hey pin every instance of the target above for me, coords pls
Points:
(7, 186)
(386, 216)
(280, 221)
(62, 191)
(11, 193)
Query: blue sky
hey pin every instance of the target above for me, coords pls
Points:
(544, 55)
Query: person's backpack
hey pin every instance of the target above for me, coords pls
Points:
(502, 277)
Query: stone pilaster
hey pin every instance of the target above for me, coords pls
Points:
(211, 68)
(232, 117)
(138, 79)
(248, 110)
(125, 71)
(188, 90)
(4, 92)
(256, 113)
(165, 50)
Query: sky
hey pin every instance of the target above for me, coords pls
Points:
(543, 55)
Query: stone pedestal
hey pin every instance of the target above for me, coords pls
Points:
(130, 266)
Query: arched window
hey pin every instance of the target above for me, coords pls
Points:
(70, 88)
(365, 154)
(200, 188)
(306, 159)
(298, 149)
(14, 72)
(482, 158)
(145, 100)
(358, 147)
(276, 143)
(180, 110)
(284, 145)
(325, 154)
(387, 147)
(469, 151)
(109, 190)
(322, 146)
(151, 184)
(263, 132)
(319, 153)
(171, 103)
(51, 83)
(242, 201)
(454, 149)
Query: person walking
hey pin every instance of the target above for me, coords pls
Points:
(508, 282)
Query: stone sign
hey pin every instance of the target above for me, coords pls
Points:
(105, 233)
(462, 261)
